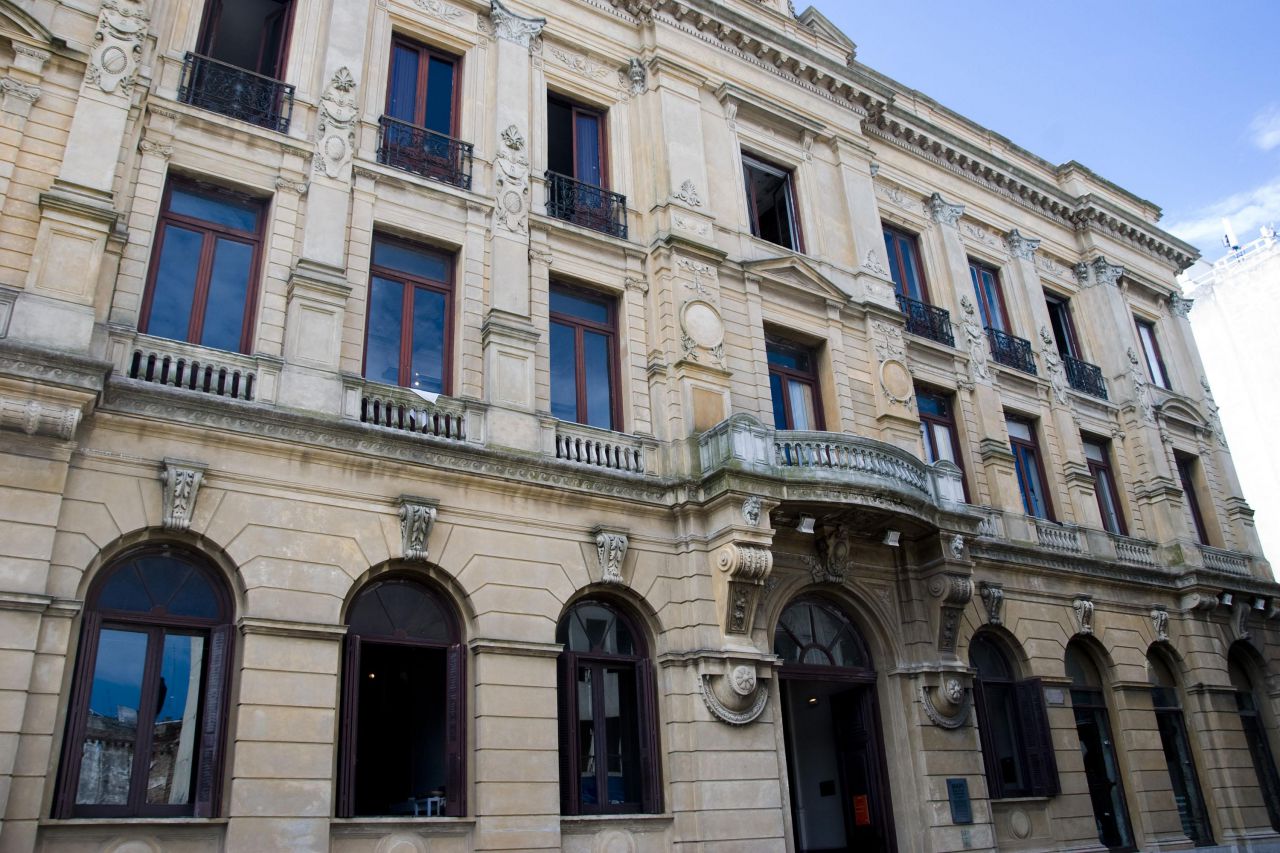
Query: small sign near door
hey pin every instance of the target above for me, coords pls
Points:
(958, 794)
(861, 810)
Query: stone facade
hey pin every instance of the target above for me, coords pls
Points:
(300, 481)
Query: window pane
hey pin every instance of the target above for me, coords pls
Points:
(1105, 490)
(440, 96)
(587, 136)
(228, 295)
(942, 443)
(226, 211)
(426, 370)
(771, 192)
(932, 404)
(801, 398)
(1002, 735)
(564, 372)
(586, 741)
(560, 138)
(397, 256)
(779, 402)
(573, 304)
(599, 379)
(1094, 452)
(111, 728)
(382, 347)
(174, 738)
(621, 731)
(402, 92)
(1147, 334)
(175, 284)
(895, 269)
(1019, 429)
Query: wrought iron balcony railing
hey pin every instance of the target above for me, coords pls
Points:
(926, 320)
(586, 205)
(1085, 377)
(236, 92)
(1011, 351)
(424, 152)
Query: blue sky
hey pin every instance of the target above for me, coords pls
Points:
(1176, 101)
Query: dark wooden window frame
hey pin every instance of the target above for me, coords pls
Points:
(752, 161)
(810, 378)
(1166, 703)
(608, 329)
(601, 115)
(214, 688)
(1250, 704)
(425, 54)
(1033, 740)
(455, 702)
(1034, 447)
(1163, 380)
(1061, 305)
(915, 261)
(211, 231)
(209, 23)
(410, 284)
(950, 424)
(1185, 464)
(1112, 483)
(984, 306)
(567, 665)
(1091, 698)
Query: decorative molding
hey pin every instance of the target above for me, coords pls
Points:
(515, 28)
(336, 126)
(181, 481)
(1021, 247)
(289, 185)
(1160, 623)
(1240, 617)
(992, 595)
(36, 418)
(640, 284)
(874, 265)
(1211, 413)
(1081, 272)
(1180, 305)
(1083, 606)
(834, 560)
(897, 197)
(439, 9)
(117, 45)
(611, 550)
(952, 709)
(417, 517)
(751, 507)
(1105, 272)
(982, 235)
(1141, 393)
(744, 684)
(957, 547)
(688, 194)
(17, 89)
(635, 79)
(1053, 368)
(512, 180)
(955, 591)
(697, 270)
(579, 64)
(943, 212)
(159, 149)
(746, 566)
(975, 342)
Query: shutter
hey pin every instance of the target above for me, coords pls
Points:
(348, 712)
(1042, 764)
(566, 696)
(213, 724)
(455, 732)
(650, 766)
(994, 788)
(73, 739)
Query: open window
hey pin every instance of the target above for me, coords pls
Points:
(240, 61)
(990, 296)
(938, 431)
(148, 703)
(420, 122)
(1029, 467)
(1189, 479)
(1097, 453)
(771, 203)
(402, 724)
(578, 169)
(1017, 746)
(1151, 352)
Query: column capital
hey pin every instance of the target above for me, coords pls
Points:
(512, 27)
(1020, 246)
(943, 212)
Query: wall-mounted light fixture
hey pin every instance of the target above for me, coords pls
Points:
(806, 524)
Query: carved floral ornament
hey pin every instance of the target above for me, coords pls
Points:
(736, 697)
(1083, 606)
(943, 212)
(417, 517)
(512, 27)
(611, 551)
(947, 704)
(117, 45)
(513, 181)
(746, 567)
(992, 595)
(688, 194)
(955, 591)
(1020, 246)
(181, 483)
(336, 128)
(975, 338)
(1053, 366)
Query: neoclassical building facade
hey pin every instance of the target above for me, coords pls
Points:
(445, 425)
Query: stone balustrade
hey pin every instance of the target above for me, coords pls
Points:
(603, 449)
(401, 409)
(1221, 560)
(193, 368)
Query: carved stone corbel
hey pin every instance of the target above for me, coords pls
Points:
(1201, 601)
(1083, 606)
(1160, 623)
(747, 566)
(512, 27)
(955, 591)
(742, 702)
(417, 516)
(992, 595)
(947, 703)
(611, 550)
(33, 417)
(834, 560)
(1240, 618)
(181, 482)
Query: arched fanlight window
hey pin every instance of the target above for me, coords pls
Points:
(145, 724)
(402, 720)
(1098, 749)
(1177, 750)
(1249, 705)
(816, 633)
(1017, 747)
(608, 720)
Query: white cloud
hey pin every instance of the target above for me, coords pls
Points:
(1265, 127)
(1246, 211)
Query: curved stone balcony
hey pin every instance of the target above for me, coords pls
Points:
(832, 466)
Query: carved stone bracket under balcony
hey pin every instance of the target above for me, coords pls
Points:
(954, 591)
(946, 699)
(611, 552)
(745, 567)
(738, 695)
(181, 481)
(417, 517)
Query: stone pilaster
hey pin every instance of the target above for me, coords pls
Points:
(854, 163)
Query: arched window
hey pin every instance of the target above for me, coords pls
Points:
(145, 724)
(1097, 749)
(1017, 746)
(608, 732)
(816, 633)
(1177, 750)
(402, 723)
(1255, 735)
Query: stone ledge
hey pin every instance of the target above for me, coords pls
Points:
(590, 824)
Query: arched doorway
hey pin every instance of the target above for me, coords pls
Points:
(831, 722)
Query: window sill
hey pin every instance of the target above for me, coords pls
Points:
(1017, 800)
(366, 827)
(133, 821)
(587, 824)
